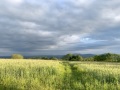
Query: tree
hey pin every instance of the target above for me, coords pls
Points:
(45, 58)
(108, 57)
(67, 57)
(76, 58)
(71, 57)
(53, 58)
(89, 59)
(17, 56)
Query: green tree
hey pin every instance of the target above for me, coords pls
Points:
(108, 57)
(76, 58)
(67, 57)
(17, 56)
(53, 58)
(45, 58)
(89, 59)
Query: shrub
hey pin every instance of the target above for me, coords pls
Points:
(76, 58)
(53, 58)
(17, 56)
(71, 57)
(67, 57)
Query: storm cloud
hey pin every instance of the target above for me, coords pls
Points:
(38, 27)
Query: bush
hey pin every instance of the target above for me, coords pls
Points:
(67, 57)
(45, 58)
(53, 58)
(71, 57)
(17, 56)
(89, 59)
(76, 58)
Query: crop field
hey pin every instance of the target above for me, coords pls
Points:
(58, 75)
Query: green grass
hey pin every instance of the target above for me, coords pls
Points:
(97, 76)
(58, 75)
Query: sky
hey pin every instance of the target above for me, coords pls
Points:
(57, 27)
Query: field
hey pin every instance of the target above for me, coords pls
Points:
(58, 75)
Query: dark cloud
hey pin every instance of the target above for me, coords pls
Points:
(33, 27)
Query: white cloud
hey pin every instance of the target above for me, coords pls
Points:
(110, 14)
(28, 24)
(58, 24)
(117, 39)
(15, 2)
(83, 3)
(63, 40)
(89, 40)
(40, 33)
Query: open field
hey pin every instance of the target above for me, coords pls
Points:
(58, 75)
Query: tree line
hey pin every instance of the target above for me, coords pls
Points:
(109, 57)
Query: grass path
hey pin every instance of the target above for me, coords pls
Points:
(57, 75)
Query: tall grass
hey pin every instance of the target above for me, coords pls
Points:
(57, 75)
(30, 75)
(97, 76)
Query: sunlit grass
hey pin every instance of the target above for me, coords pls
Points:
(58, 75)
(98, 76)
(30, 74)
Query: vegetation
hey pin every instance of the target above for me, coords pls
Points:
(44, 58)
(53, 58)
(71, 57)
(96, 76)
(58, 75)
(107, 57)
(67, 57)
(89, 59)
(17, 56)
(31, 75)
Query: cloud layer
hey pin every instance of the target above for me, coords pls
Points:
(33, 27)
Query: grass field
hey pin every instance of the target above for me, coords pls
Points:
(58, 75)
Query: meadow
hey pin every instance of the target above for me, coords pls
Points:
(58, 75)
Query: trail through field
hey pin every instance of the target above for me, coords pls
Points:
(58, 75)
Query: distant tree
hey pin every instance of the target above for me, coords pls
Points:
(67, 57)
(71, 57)
(17, 56)
(76, 58)
(53, 58)
(45, 58)
(107, 57)
(89, 59)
